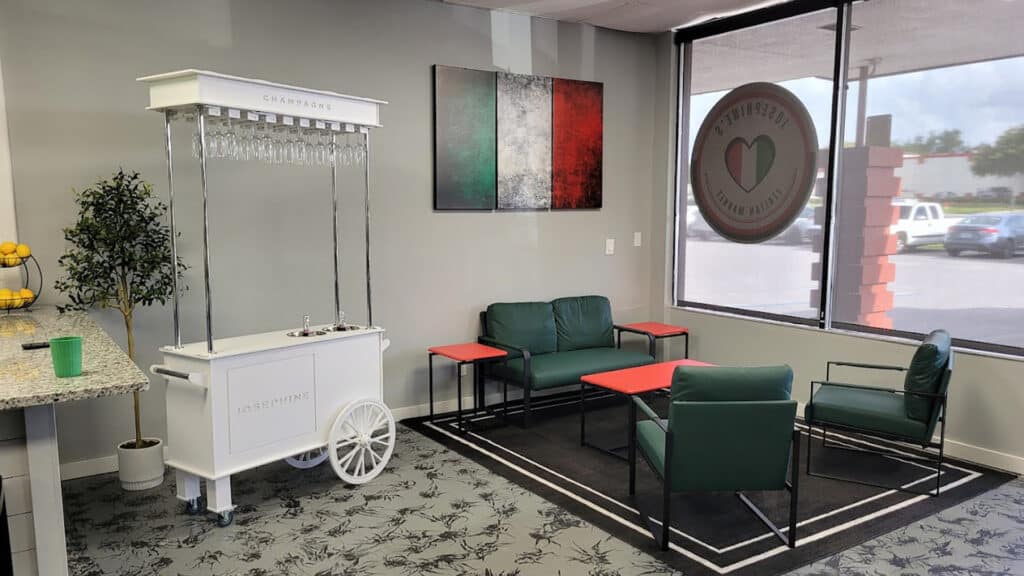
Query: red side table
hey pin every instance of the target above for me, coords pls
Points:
(461, 354)
(656, 331)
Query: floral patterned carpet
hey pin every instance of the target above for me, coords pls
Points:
(431, 512)
(435, 513)
(980, 537)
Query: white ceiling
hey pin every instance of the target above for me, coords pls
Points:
(628, 15)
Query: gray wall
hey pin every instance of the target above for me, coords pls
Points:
(75, 114)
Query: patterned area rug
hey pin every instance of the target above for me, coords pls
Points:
(712, 533)
(431, 512)
(983, 536)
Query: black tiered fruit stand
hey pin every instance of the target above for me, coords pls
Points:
(26, 276)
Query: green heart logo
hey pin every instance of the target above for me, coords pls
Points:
(749, 163)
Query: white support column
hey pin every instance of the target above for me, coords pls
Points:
(47, 500)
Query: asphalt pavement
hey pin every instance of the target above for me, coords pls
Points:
(974, 296)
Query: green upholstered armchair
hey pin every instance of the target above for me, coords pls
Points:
(728, 429)
(908, 415)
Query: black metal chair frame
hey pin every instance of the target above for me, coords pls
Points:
(661, 532)
(516, 352)
(940, 445)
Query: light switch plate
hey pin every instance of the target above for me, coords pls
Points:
(609, 246)
(637, 239)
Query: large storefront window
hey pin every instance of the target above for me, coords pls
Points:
(777, 277)
(937, 93)
(927, 201)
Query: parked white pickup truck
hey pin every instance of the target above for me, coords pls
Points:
(920, 223)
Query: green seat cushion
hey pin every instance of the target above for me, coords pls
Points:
(564, 368)
(529, 325)
(925, 374)
(868, 409)
(729, 384)
(650, 440)
(583, 322)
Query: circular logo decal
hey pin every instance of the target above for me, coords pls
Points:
(753, 164)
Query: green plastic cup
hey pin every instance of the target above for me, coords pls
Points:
(66, 353)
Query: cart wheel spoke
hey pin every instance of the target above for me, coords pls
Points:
(361, 441)
(306, 460)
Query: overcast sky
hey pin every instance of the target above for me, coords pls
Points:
(982, 100)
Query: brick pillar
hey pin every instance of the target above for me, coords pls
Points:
(860, 291)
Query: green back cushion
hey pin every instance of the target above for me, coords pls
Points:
(583, 322)
(731, 445)
(728, 384)
(925, 373)
(529, 325)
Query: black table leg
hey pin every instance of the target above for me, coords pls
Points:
(632, 446)
(458, 376)
(583, 414)
(430, 382)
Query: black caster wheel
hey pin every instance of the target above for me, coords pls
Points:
(194, 507)
(225, 518)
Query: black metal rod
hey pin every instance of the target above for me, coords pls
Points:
(840, 66)
(764, 519)
(632, 446)
(794, 487)
(757, 17)
(458, 377)
(430, 382)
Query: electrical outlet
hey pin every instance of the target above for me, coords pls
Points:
(464, 370)
(609, 246)
(638, 239)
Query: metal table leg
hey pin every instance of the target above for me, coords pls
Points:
(632, 446)
(458, 376)
(430, 381)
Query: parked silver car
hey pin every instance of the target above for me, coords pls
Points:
(997, 233)
(801, 231)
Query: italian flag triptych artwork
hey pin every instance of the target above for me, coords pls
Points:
(516, 141)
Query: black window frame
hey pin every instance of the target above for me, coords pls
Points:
(683, 39)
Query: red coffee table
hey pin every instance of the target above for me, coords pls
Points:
(656, 331)
(468, 353)
(629, 382)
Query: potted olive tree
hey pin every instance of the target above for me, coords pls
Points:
(119, 257)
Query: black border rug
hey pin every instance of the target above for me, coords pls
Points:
(712, 533)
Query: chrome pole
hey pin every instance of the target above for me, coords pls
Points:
(337, 255)
(366, 199)
(174, 238)
(206, 230)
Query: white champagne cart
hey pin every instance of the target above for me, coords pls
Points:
(304, 396)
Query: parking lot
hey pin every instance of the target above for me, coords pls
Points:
(974, 296)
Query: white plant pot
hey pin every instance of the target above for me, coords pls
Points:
(140, 468)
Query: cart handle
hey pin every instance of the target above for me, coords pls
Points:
(194, 378)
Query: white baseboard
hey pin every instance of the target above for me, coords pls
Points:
(424, 409)
(954, 448)
(91, 467)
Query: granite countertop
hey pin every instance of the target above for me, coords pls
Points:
(26, 376)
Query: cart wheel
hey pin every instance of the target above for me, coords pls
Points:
(307, 460)
(194, 506)
(361, 441)
(225, 518)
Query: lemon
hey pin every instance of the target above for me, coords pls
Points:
(8, 247)
(12, 260)
(5, 298)
(16, 300)
(23, 250)
(27, 295)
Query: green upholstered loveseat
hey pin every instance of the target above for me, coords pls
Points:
(552, 344)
